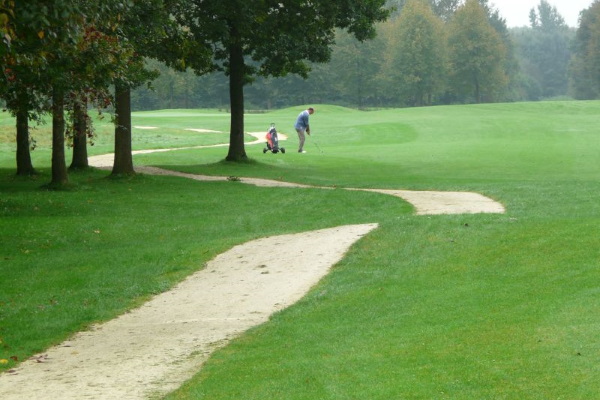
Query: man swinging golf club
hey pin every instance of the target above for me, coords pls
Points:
(302, 126)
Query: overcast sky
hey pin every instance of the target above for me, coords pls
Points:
(516, 12)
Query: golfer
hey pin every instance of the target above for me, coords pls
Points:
(302, 126)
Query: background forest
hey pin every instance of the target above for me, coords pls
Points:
(429, 52)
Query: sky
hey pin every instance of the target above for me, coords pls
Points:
(516, 12)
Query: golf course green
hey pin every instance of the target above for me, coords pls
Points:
(471, 306)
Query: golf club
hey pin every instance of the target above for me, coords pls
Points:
(316, 144)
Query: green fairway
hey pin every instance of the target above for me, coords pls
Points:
(484, 306)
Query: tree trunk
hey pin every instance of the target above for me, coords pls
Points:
(60, 176)
(477, 91)
(236, 98)
(359, 78)
(80, 155)
(24, 165)
(123, 163)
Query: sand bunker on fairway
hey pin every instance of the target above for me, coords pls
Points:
(155, 348)
(202, 130)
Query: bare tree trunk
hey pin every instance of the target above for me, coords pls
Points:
(123, 163)
(359, 77)
(24, 165)
(80, 155)
(60, 176)
(236, 92)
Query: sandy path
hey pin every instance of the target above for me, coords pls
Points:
(425, 202)
(153, 349)
(107, 160)
(156, 347)
(435, 203)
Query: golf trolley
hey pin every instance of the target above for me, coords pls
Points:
(273, 141)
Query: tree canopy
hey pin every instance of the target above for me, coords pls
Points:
(149, 30)
(416, 63)
(477, 53)
(545, 51)
(585, 65)
(363, 74)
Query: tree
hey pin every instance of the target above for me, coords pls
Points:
(416, 57)
(98, 61)
(46, 62)
(25, 62)
(354, 68)
(152, 32)
(544, 51)
(477, 54)
(139, 31)
(60, 176)
(511, 64)
(272, 38)
(75, 68)
(80, 126)
(585, 63)
(25, 104)
(444, 9)
(55, 49)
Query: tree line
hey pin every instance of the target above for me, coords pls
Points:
(428, 52)
(62, 56)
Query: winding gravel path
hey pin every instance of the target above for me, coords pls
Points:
(153, 349)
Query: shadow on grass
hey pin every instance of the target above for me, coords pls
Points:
(80, 179)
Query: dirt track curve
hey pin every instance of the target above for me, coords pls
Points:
(153, 349)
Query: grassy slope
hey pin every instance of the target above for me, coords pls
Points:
(478, 306)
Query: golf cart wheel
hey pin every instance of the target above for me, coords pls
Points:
(282, 150)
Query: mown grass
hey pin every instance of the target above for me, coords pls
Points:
(174, 132)
(464, 306)
(71, 258)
